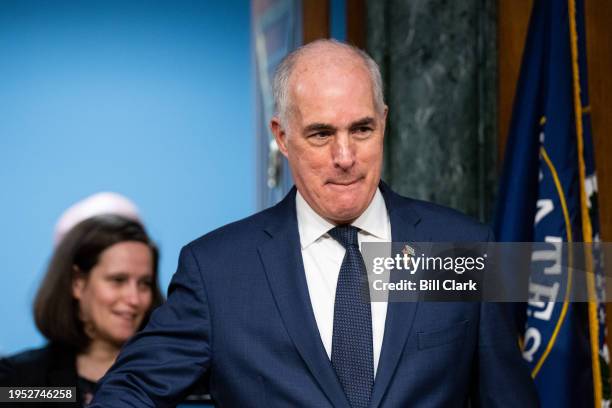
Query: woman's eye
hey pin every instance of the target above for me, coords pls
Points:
(117, 279)
(146, 284)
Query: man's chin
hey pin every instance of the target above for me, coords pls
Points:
(344, 215)
(345, 208)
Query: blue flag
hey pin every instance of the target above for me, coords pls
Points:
(548, 193)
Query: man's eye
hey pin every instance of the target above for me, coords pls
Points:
(362, 131)
(320, 138)
(117, 279)
(321, 135)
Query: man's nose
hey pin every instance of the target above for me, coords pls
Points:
(343, 151)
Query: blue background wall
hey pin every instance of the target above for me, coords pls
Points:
(151, 99)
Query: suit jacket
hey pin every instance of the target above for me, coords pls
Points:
(238, 309)
(50, 366)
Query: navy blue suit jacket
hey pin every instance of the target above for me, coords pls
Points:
(239, 311)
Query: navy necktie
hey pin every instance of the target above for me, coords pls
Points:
(352, 354)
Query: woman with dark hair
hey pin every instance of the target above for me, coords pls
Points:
(99, 289)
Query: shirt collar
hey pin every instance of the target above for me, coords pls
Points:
(374, 220)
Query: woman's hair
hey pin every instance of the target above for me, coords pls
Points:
(56, 311)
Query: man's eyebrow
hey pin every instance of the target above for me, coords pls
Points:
(318, 127)
(367, 121)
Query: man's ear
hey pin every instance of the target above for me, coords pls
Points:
(279, 134)
(384, 121)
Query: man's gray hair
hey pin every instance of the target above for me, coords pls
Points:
(285, 69)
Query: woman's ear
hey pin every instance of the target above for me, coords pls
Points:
(78, 282)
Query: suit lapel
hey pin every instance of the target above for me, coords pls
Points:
(282, 260)
(400, 315)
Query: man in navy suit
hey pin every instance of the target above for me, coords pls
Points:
(266, 307)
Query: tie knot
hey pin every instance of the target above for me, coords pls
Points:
(346, 235)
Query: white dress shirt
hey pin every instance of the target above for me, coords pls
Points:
(323, 257)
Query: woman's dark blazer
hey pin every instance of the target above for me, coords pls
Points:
(50, 366)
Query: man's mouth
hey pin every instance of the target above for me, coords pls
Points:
(345, 183)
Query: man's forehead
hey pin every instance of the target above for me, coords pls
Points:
(328, 77)
(326, 60)
(333, 89)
